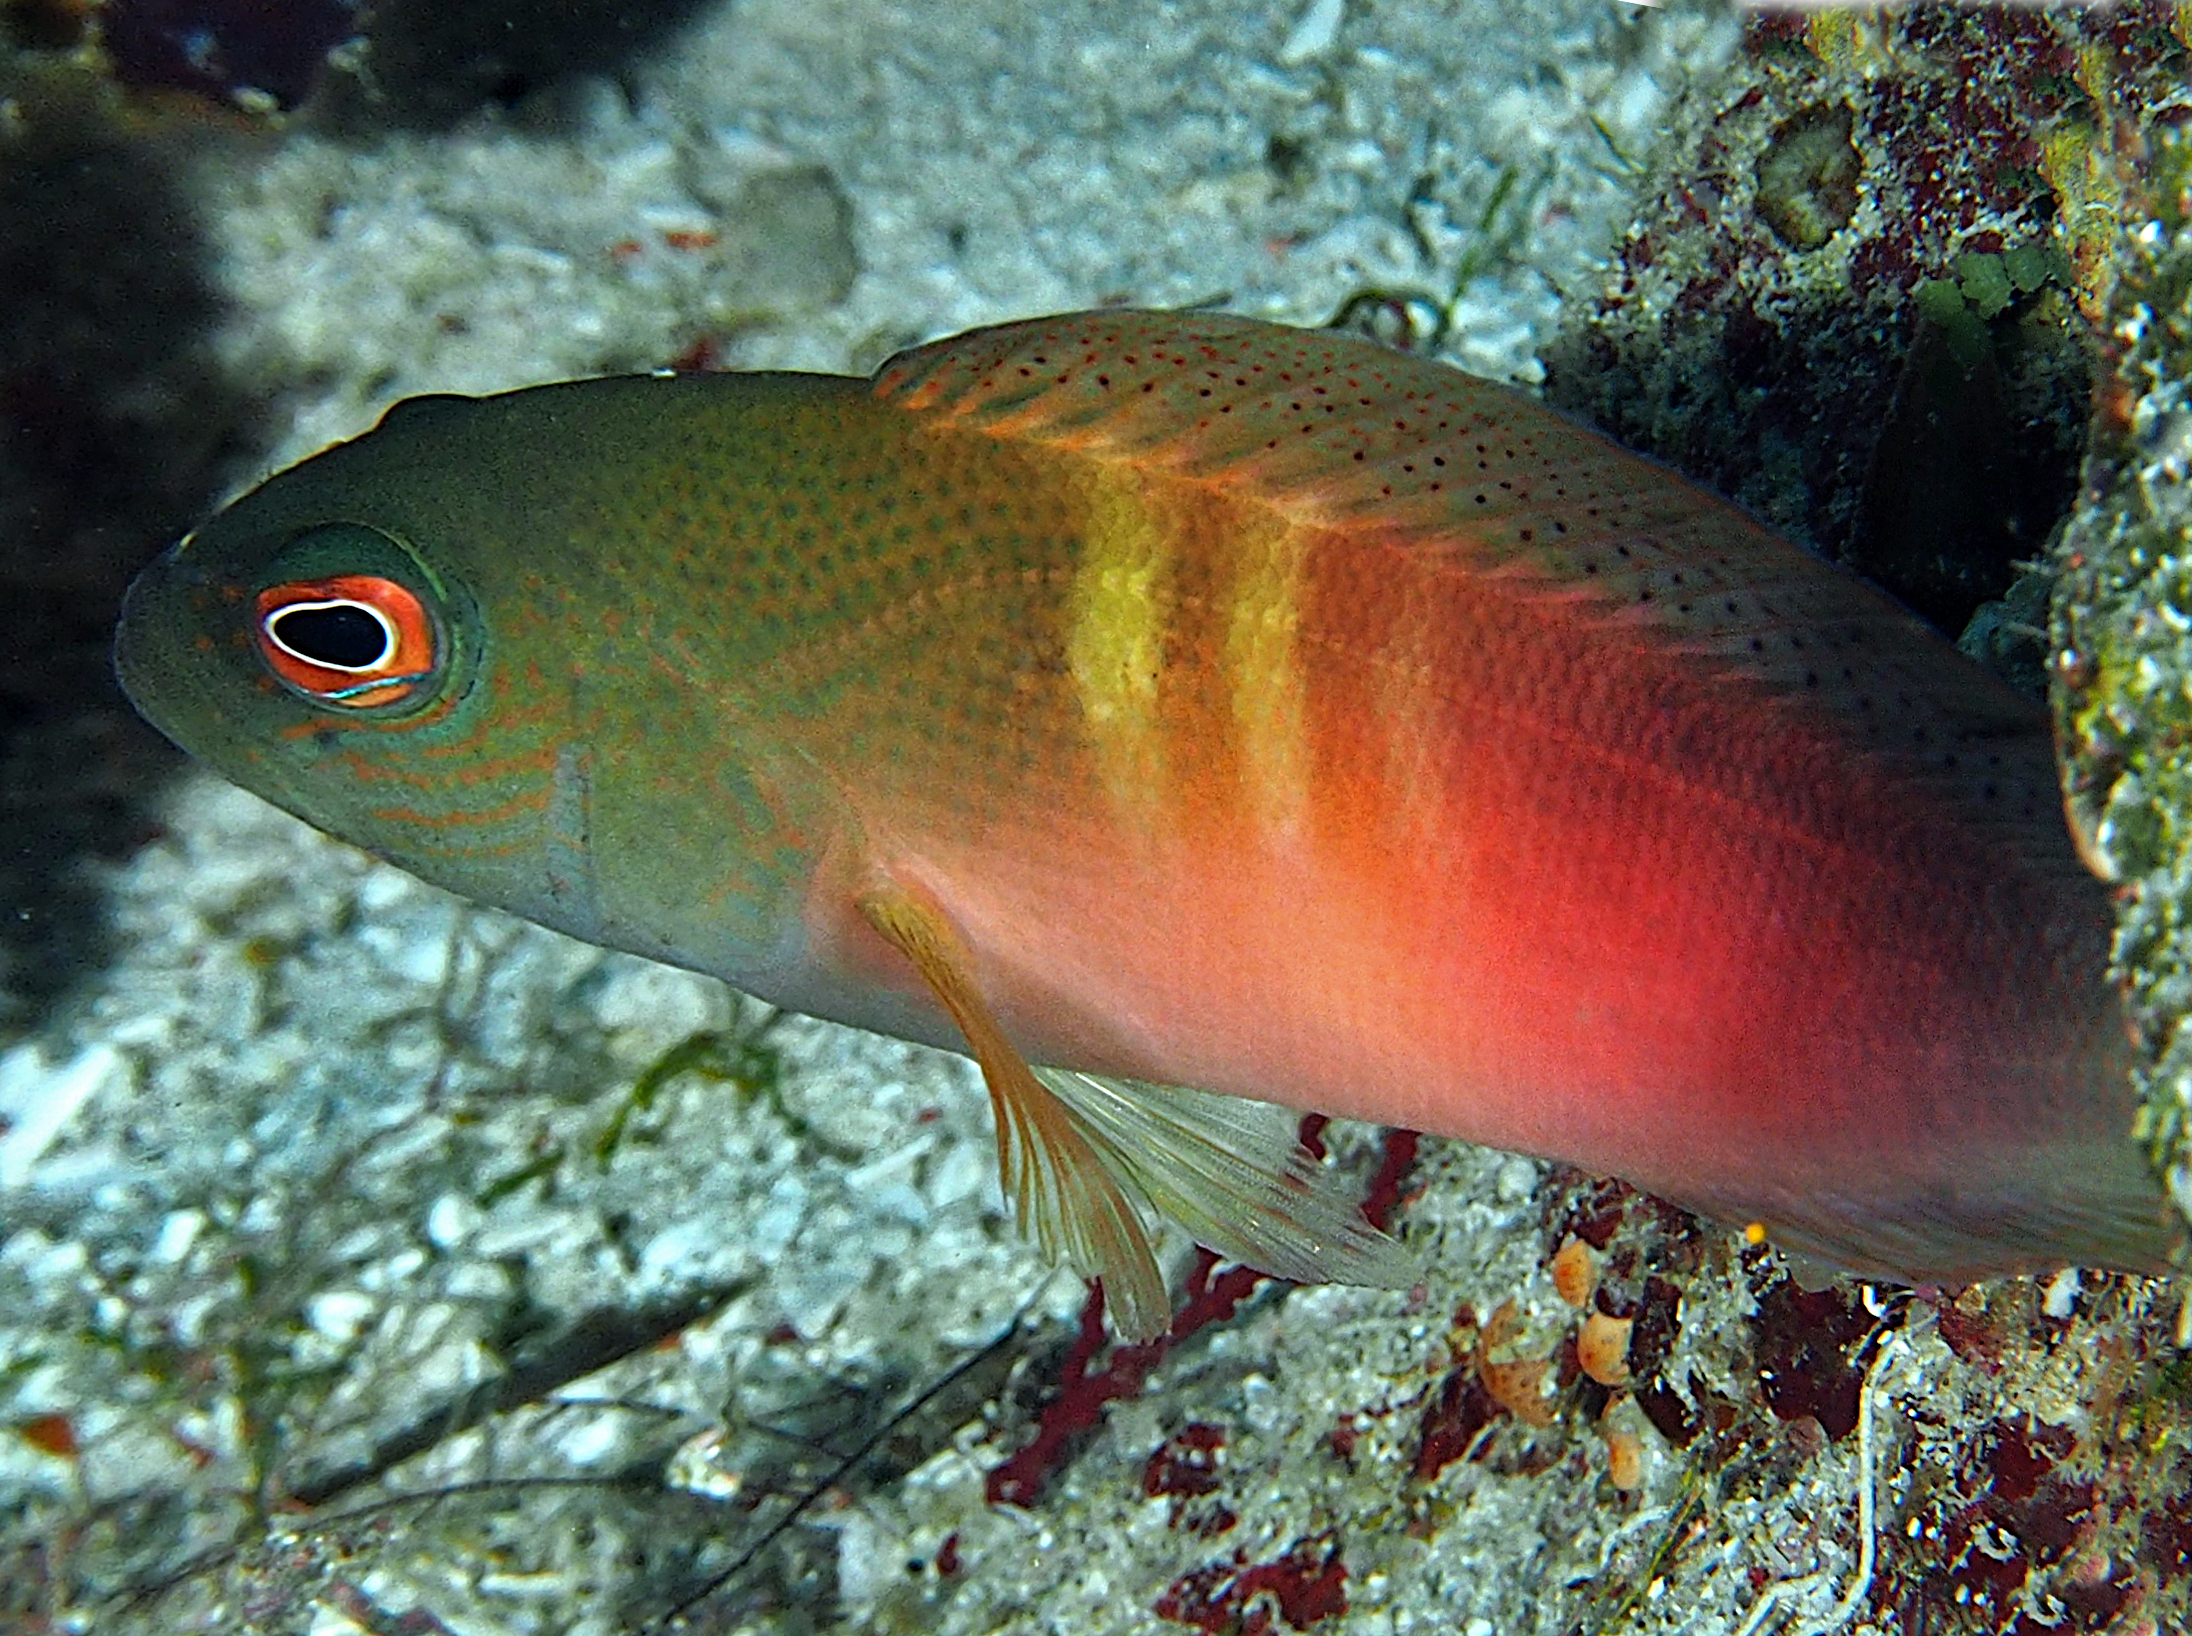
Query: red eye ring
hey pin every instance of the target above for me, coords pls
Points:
(353, 641)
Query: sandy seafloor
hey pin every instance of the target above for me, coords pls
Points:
(325, 1146)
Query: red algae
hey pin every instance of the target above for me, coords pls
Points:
(1303, 1586)
(2016, 1522)
(1972, 1334)
(1453, 1421)
(1808, 1346)
(1384, 1196)
(1657, 1321)
(1084, 1386)
(1076, 1407)
(1596, 1215)
(1186, 1463)
(53, 1434)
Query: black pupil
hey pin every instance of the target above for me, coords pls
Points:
(342, 637)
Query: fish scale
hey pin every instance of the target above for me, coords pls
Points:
(1172, 708)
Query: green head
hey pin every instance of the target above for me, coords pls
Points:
(497, 641)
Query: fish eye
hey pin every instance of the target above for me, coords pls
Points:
(350, 636)
(352, 641)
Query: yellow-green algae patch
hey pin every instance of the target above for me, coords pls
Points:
(1807, 183)
(2122, 639)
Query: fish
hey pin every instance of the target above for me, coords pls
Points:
(1192, 719)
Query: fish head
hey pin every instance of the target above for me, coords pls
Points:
(498, 642)
(359, 641)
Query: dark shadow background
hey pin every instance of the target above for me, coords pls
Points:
(115, 428)
(118, 428)
(430, 65)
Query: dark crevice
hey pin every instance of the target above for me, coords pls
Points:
(116, 427)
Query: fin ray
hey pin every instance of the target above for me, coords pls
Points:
(1231, 1172)
(1082, 1156)
(1063, 1192)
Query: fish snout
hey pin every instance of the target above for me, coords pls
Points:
(144, 646)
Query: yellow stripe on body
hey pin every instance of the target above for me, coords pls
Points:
(1118, 610)
(1264, 662)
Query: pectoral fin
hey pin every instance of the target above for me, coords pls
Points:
(1233, 1172)
(1061, 1191)
(1082, 1155)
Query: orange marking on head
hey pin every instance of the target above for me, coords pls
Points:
(517, 806)
(365, 770)
(400, 724)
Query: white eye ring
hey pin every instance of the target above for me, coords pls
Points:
(389, 635)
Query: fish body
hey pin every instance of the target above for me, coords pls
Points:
(1189, 701)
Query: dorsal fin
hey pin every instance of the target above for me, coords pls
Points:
(1332, 429)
